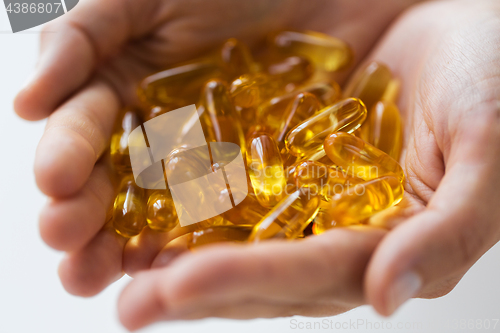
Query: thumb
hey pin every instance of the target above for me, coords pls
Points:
(71, 48)
(423, 254)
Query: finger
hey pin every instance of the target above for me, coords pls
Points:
(76, 136)
(141, 250)
(71, 48)
(69, 224)
(324, 268)
(171, 251)
(459, 225)
(87, 271)
(455, 162)
(248, 309)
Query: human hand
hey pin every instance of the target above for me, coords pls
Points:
(81, 192)
(448, 64)
(91, 60)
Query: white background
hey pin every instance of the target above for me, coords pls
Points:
(33, 300)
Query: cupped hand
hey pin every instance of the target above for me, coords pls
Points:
(446, 54)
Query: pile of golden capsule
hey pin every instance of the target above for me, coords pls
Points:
(315, 155)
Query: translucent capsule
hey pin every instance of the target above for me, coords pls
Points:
(218, 234)
(120, 156)
(272, 109)
(292, 69)
(289, 217)
(236, 59)
(322, 179)
(219, 119)
(179, 85)
(249, 90)
(326, 52)
(369, 83)
(129, 210)
(156, 111)
(359, 202)
(318, 156)
(247, 212)
(161, 213)
(265, 169)
(326, 92)
(308, 136)
(359, 158)
(182, 166)
(302, 107)
(383, 127)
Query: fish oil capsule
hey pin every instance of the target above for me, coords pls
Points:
(289, 217)
(180, 85)
(369, 83)
(383, 127)
(119, 151)
(301, 108)
(318, 156)
(359, 202)
(326, 93)
(293, 69)
(236, 59)
(308, 136)
(265, 169)
(327, 53)
(161, 214)
(129, 210)
(247, 212)
(359, 158)
(182, 166)
(218, 234)
(321, 178)
(156, 111)
(218, 117)
(249, 90)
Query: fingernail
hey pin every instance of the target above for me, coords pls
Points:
(405, 287)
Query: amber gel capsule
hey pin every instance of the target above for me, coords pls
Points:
(326, 52)
(302, 107)
(236, 58)
(249, 90)
(360, 159)
(293, 69)
(369, 83)
(383, 127)
(321, 178)
(179, 85)
(120, 156)
(271, 111)
(218, 234)
(247, 212)
(308, 136)
(265, 169)
(218, 117)
(161, 213)
(129, 210)
(289, 217)
(359, 202)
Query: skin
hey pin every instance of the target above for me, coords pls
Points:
(447, 55)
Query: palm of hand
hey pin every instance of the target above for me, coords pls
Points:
(323, 275)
